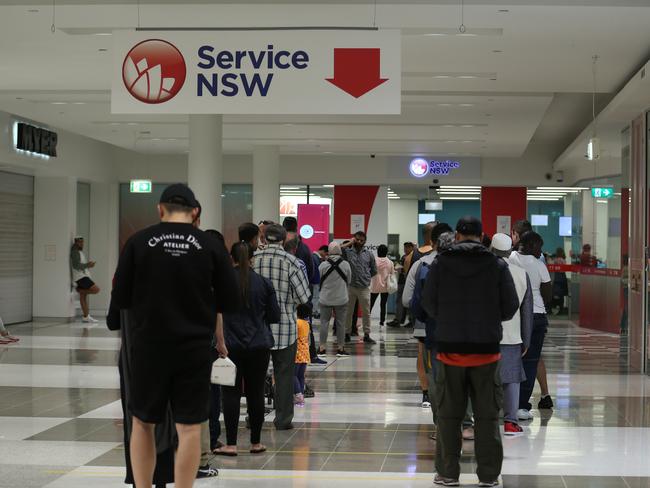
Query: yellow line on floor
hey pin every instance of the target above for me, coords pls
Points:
(223, 474)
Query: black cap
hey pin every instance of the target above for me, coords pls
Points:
(179, 194)
(469, 226)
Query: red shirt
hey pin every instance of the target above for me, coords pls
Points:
(467, 360)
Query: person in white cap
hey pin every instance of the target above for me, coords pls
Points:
(516, 337)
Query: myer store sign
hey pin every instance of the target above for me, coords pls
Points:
(257, 72)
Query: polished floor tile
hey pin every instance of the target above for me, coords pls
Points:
(60, 414)
(19, 428)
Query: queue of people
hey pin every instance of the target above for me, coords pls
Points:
(181, 299)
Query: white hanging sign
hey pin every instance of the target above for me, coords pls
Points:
(257, 72)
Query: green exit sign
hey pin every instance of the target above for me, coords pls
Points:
(602, 192)
(140, 186)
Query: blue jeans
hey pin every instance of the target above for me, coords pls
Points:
(215, 412)
(531, 359)
(299, 378)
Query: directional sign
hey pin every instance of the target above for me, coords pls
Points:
(606, 192)
(257, 72)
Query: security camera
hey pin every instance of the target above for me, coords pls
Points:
(559, 176)
(436, 181)
(372, 156)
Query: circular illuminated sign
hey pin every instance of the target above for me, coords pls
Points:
(419, 167)
(306, 232)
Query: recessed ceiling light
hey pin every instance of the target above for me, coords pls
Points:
(466, 105)
(78, 103)
(59, 103)
(19, 98)
(467, 77)
(497, 51)
(103, 34)
(466, 126)
(441, 77)
(503, 11)
(102, 50)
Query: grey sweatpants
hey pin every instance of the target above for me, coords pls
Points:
(511, 401)
(325, 316)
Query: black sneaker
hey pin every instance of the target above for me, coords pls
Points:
(545, 402)
(318, 360)
(342, 354)
(393, 323)
(426, 403)
(207, 472)
(309, 393)
(347, 337)
(369, 340)
(355, 333)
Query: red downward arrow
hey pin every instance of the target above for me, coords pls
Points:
(356, 70)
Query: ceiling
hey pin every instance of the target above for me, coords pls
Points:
(523, 79)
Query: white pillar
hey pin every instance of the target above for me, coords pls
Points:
(104, 204)
(266, 183)
(205, 166)
(55, 219)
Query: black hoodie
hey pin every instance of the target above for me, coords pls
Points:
(469, 292)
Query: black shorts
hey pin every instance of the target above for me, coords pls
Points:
(170, 374)
(85, 283)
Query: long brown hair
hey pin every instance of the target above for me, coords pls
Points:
(242, 253)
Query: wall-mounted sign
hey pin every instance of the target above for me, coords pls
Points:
(36, 140)
(140, 186)
(606, 192)
(261, 72)
(420, 167)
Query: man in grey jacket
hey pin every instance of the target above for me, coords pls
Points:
(364, 267)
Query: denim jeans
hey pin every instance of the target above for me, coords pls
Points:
(531, 359)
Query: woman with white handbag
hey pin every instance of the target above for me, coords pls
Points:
(245, 338)
(379, 285)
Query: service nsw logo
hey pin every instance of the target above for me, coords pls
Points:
(154, 71)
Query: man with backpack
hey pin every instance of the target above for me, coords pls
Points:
(336, 276)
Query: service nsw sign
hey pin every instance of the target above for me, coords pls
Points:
(258, 72)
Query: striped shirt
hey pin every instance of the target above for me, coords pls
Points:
(291, 287)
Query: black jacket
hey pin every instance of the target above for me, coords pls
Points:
(469, 292)
(248, 329)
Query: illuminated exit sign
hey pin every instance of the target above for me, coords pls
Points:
(140, 186)
(602, 192)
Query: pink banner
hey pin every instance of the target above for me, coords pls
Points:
(314, 225)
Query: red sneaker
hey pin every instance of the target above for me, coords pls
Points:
(512, 429)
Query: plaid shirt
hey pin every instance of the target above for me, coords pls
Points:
(291, 287)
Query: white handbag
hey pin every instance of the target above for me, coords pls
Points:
(391, 284)
(224, 372)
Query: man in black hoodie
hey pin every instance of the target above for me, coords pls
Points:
(469, 292)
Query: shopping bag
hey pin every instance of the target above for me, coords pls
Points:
(391, 284)
(224, 372)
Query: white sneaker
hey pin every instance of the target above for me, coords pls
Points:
(89, 319)
(523, 414)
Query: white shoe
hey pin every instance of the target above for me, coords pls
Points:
(523, 414)
(89, 319)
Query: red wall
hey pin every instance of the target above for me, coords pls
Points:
(352, 200)
(502, 200)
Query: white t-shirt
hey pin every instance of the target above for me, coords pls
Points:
(537, 273)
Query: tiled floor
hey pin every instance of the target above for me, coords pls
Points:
(60, 419)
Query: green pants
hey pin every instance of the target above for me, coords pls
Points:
(431, 366)
(284, 363)
(483, 386)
